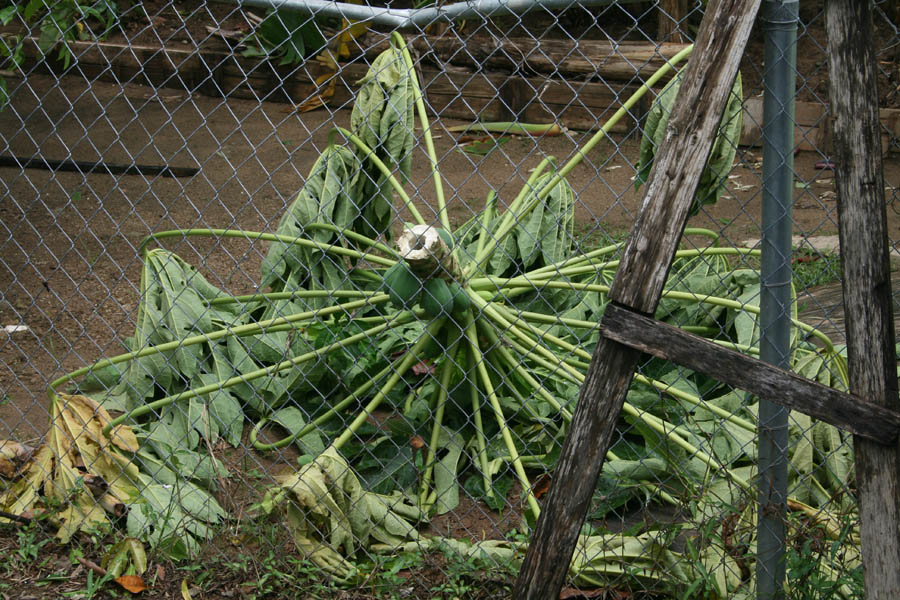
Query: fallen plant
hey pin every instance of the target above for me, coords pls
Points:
(405, 375)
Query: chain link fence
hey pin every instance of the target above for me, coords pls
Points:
(299, 332)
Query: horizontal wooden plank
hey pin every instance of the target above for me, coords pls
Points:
(605, 59)
(851, 413)
(454, 92)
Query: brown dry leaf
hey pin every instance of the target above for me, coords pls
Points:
(21, 497)
(82, 426)
(320, 100)
(16, 454)
(423, 367)
(7, 468)
(85, 466)
(13, 455)
(541, 486)
(133, 583)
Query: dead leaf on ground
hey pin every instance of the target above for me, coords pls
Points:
(133, 583)
(14, 457)
(185, 591)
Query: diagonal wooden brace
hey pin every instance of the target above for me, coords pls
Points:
(850, 413)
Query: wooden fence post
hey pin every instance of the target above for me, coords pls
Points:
(670, 14)
(866, 280)
(668, 196)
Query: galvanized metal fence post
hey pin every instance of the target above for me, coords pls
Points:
(779, 19)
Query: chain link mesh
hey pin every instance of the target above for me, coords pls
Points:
(421, 431)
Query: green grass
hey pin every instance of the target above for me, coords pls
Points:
(812, 268)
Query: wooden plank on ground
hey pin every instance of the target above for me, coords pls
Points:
(866, 280)
(850, 413)
(669, 194)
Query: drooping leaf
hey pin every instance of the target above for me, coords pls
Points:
(718, 165)
(446, 483)
(292, 419)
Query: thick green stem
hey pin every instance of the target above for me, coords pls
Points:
(694, 253)
(522, 211)
(269, 237)
(487, 215)
(588, 257)
(405, 363)
(356, 237)
(509, 128)
(527, 353)
(508, 222)
(517, 367)
(499, 365)
(575, 260)
(273, 296)
(480, 365)
(533, 345)
(379, 164)
(241, 330)
(696, 401)
(714, 300)
(426, 130)
(480, 438)
(574, 268)
(594, 325)
(672, 391)
(668, 431)
(332, 412)
(245, 377)
(437, 422)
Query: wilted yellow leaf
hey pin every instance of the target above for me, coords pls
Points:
(81, 513)
(93, 418)
(185, 591)
(123, 437)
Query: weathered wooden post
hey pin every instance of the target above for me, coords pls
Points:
(670, 13)
(668, 196)
(866, 280)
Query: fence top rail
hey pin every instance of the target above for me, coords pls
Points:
(419, 17)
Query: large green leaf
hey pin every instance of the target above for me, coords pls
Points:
(718, 165)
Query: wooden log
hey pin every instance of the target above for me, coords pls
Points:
(460, 94)
(668, 196)
(866, 280)
(850, 413)
(562, 58)
(452, 93)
